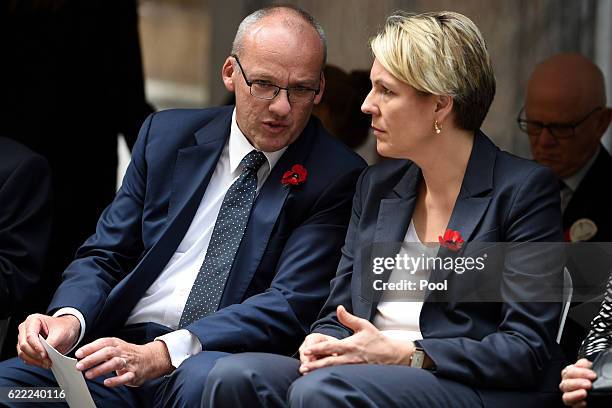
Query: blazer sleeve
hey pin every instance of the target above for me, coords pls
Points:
(514, 355)
(114, 249)
(340, 286)
(25, 227)
(279, 318)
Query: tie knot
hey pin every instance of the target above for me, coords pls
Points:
(253, 160)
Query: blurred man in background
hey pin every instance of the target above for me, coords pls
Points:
(565, 117)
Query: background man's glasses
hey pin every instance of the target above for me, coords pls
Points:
(269, 91)
(558, 131)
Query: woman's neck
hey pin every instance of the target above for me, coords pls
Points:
(444, 164)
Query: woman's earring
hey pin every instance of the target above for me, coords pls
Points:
(437, 127)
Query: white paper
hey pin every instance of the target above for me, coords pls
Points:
(69, 378)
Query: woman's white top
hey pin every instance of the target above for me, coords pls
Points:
(397, 313)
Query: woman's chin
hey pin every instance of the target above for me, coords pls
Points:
(388, 151)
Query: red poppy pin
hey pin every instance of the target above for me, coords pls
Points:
(451, 240)
(296, 176)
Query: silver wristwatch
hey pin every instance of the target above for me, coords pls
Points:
(418, 358)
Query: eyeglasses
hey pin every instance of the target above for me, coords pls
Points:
(557, 130)
(268, 91)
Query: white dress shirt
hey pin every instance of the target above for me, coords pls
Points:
(397, 315)
(165, 299)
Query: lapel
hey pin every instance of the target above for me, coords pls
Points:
(266, 209)
(195, 164)
(394, 215)
(474, 197)
(192, 172)
(395, 212)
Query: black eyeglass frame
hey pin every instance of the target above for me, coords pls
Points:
(278, 88)
(523, 123)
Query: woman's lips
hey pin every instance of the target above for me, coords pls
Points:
(375, 129)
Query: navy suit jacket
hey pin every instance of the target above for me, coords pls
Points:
(287, 256)
(495, 346)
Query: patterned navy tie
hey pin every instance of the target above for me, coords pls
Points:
(208, 287)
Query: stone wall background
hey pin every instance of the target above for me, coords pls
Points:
(186, 41)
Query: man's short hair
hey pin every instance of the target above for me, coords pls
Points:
(256, 16)
(440, 53)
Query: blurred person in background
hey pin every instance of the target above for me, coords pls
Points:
(565, 116)
(340, 107)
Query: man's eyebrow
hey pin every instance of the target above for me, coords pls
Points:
(301, 83)
(306, 83)
(262, 76)
(554, 123)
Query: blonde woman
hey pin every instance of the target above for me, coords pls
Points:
(432, 85)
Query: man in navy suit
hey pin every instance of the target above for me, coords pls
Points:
(222, 238)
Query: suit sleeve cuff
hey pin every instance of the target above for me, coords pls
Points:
(333, 331)
(72, 311)
(181, 345)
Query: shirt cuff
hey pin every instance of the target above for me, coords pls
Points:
(72, 311)
(181, 345)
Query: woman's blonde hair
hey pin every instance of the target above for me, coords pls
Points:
(441, 53)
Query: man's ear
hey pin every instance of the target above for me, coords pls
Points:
(227, 72)
(444, 107)
(604, 121)
(318, 98)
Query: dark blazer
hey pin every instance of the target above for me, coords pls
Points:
(287, 256)
(25, 226)
(493, 346)
(586, 201)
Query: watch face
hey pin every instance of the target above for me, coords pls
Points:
(418, 358)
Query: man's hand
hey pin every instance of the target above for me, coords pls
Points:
(310, 340)
(576, 379)
(134, 364)
(60, 332)
(367, 345)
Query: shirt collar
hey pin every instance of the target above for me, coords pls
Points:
(574, 180)
(239, 146)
